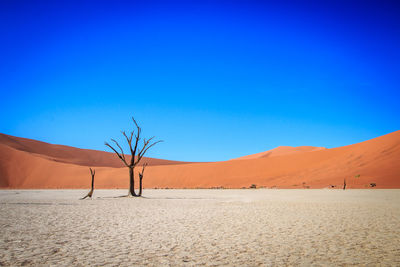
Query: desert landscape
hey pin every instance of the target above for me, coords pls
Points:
(239, 212)
(200, 133)
(31, 164)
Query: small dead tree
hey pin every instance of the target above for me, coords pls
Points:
(90, 194)
(137, 154)
(141, 179)
(344, 182)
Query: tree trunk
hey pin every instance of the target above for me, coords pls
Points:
(131, 182)
(344, 184)
(90, 194)
(140, 185)
(92, 183)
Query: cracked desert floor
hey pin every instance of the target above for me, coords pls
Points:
(262, 227)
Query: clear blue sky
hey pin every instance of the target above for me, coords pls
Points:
(214, 79)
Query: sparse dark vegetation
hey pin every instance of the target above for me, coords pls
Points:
(253, 186)
(344, 181)
(372, 184)
(137, 154)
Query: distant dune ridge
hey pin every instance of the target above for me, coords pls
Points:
(280, 151)
(26, 163)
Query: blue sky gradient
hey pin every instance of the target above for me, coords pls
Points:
(214, 79)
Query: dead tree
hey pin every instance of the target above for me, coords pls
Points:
(141, 179)
(90, 194)
(137, 154)
(344, 184)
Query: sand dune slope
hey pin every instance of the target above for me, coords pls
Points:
(375, 161)
(67, 154)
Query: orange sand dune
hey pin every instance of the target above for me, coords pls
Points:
(376, 161)
(280, 151)
(67, 154)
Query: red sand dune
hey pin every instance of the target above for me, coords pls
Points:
(280, 151)
(27, 163)
(67, 154)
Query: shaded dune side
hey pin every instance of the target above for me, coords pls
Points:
(26, 170)
(376, 161)
(67, 154)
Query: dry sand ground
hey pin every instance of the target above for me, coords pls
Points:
(201, 227)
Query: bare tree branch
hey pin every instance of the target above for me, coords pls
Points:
(126, 137)
(122, 151)
(130, 138)
(144, 166)
(116, 152)
(134, 121)
(141, 156)
(137, 137)
(145, 143)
